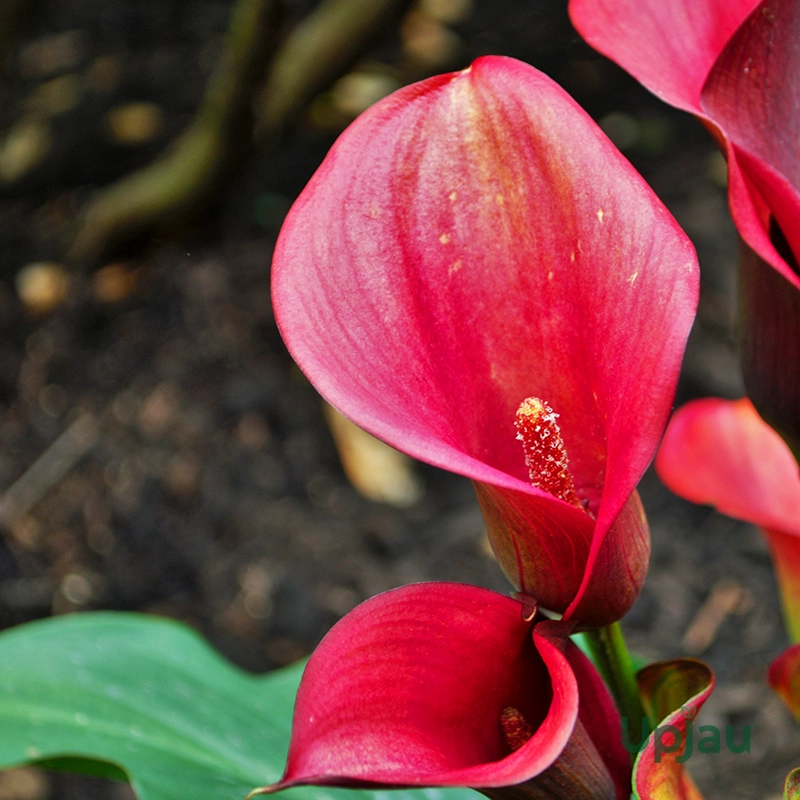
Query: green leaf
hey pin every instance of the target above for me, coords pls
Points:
(126, 696)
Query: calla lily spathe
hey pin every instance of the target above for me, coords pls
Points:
(733, 64)
(474, 242)
(736, 65)
(451, 685)
(721, 453)
(443, 684)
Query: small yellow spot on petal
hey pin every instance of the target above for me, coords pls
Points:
(572, 256)
(500, 199)
(516, 730)
(550, 275)
(455, 267)
(453, 196)
(600, 214)
(444, 238)
(633, 277)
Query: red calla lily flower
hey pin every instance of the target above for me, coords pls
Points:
(474, 263)
(736, 65)
(450, 685)
(721, 453)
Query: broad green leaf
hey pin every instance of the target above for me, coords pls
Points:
(126, 696)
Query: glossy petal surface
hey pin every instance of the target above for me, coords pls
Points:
(726, 61)
(408, 690)
(735, 64)
(475, 240)
(721, 453)
(670, 47)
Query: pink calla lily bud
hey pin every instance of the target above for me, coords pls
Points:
(736, 65)
(476, 276)
(449, 685)
(721, 453)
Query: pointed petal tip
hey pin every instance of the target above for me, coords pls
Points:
(287, 781)
(271, 789)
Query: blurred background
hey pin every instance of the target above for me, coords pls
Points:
(159, 451)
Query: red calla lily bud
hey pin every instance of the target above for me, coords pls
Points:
(721, 453)
(791, 789)
(673, 693)
(736, 65)
(448, 685)
(475, 269)
(784, 678)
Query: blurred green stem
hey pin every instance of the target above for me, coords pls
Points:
(610, 654)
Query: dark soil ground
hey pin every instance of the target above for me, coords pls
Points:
(209, 487)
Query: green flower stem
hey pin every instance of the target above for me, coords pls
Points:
(610, 655)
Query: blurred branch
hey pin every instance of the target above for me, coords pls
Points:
(49, 469)
(314, 55)
(191, 169)
(319, 50)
